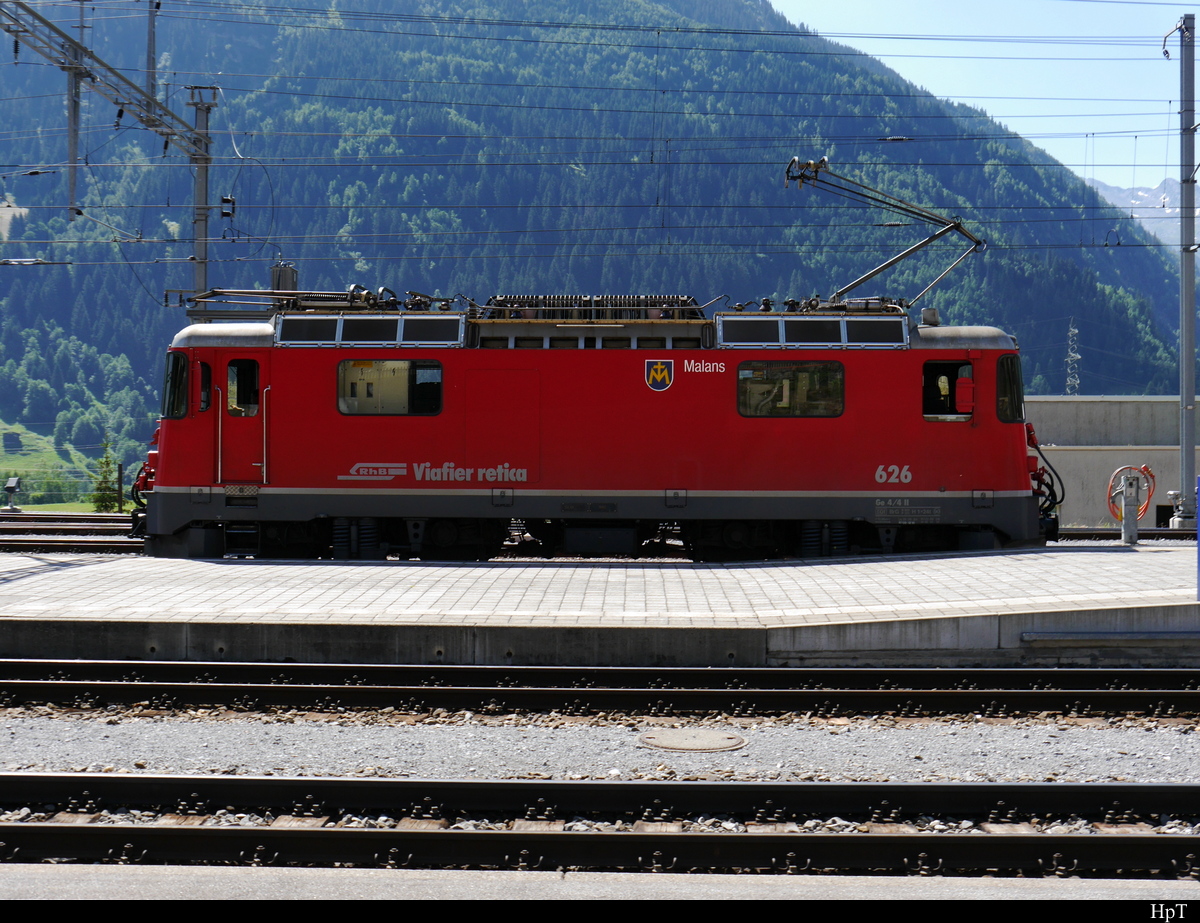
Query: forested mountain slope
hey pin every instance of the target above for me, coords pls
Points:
(525, 147)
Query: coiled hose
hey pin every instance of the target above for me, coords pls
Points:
(1144, 472)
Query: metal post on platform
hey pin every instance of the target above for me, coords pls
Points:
(1185, 511)
(1131, 488)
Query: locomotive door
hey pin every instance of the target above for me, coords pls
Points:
(241, 400)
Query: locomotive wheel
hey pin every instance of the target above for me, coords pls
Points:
(442, 534)
(737, 535)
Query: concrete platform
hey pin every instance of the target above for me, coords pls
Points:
(1070, 603)
(135, 882)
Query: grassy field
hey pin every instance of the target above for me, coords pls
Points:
(59, 507)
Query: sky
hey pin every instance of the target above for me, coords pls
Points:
(1084, 79)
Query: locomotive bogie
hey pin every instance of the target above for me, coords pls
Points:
(350, 435)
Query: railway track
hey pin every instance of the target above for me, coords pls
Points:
(919, 829)
(160, 685)
(65, 523)
(1081, 533)
(106, 533)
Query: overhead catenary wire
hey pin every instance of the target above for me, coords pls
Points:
(265, 11)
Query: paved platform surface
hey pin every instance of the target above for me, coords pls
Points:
(788, 593)
(131, 882)
(944, 602)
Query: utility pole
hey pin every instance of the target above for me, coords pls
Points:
(204, 100)
(75, 74)
(151, 54)
(52, 43)
(1185, 508)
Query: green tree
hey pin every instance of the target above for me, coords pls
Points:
(106, 491)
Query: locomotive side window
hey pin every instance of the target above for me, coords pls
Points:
(205, 386)
(948, 391)
(791, 389)
(241, 400)
(389, 387)
(308, 330)
(368, 330)
(175, 396)
(1010, 393)
(813, 331)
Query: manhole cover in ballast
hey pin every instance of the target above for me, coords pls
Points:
(697, 740)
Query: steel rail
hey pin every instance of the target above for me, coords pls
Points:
(1100, 533)
(25, 516)
(62, 544)
(309, 795)
(433, 676)
(827, 702)
(63, 528)
(1048, 855)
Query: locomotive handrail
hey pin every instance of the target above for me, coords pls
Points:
(220, 418)
(273, 301)
(265, 390)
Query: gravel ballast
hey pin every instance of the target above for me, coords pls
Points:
(467, 747)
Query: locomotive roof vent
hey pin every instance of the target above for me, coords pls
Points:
(592, 307)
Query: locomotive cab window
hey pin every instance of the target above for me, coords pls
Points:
(948, 391)
(1010, 392)
(389, 387)
(241, 400)
(791, 389)
(175, 392)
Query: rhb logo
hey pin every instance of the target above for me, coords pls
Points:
(660, 373)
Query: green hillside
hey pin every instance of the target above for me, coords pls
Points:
(49, 475)
(526, 147)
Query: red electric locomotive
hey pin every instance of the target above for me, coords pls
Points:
(361, 425)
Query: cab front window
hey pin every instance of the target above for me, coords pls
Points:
(175, 380)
